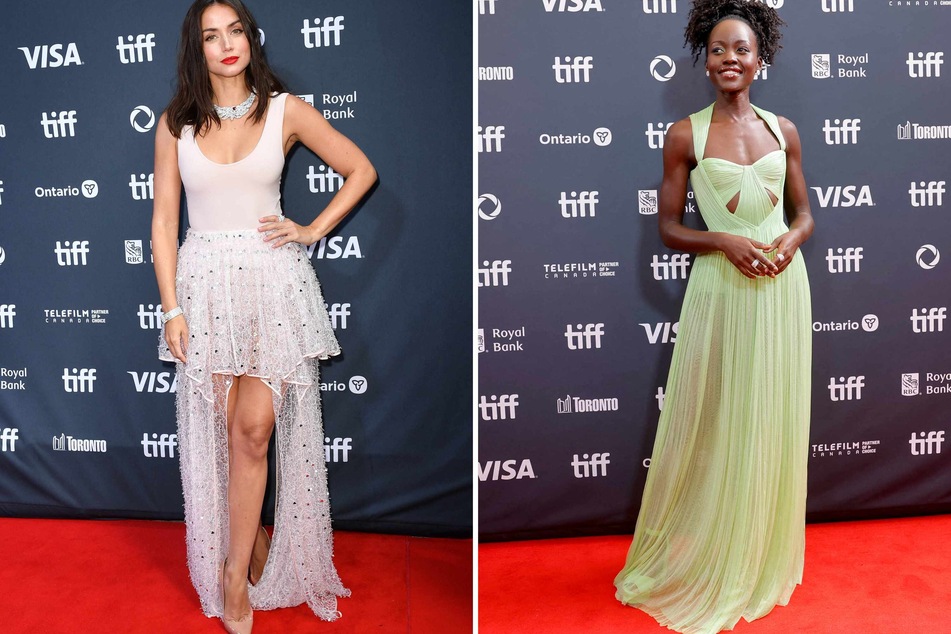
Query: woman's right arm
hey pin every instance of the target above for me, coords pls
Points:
(167, 190)
(679, 159)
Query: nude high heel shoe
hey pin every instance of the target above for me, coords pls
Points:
(256, 567)
(234, 626)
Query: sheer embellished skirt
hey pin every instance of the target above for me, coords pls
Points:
(257, 311)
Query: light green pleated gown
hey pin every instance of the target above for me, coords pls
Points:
(721, 530)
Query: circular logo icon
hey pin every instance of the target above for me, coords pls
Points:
(90, 189)
(358, 384)
(602, 137)
(775, 4)
(491, 210)
(3, 255)
(870, 323)
(663, 68)
(928, 256)
(148, 118)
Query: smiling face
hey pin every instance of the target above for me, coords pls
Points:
(732, 55)
(226, 46)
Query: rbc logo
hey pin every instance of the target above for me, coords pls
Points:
(326, 34)
(846, 389)
(647, 202)
(844, 132)
(585, 337)
(847, 260)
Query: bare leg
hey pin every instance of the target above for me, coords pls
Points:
(249, 433)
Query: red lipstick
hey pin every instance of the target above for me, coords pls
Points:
(229, 60)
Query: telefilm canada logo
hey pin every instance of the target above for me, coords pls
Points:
(841, 449)
(75, 316)
(580, 270)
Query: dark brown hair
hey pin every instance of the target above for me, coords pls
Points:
(192, 103)
(762, 19)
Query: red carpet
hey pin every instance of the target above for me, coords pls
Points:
(68, 576)
(872, 577)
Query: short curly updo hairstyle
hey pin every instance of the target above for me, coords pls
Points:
(706, 14)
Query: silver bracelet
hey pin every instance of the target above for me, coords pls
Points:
(175, 312)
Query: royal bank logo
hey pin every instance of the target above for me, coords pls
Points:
(136, 48)
(580, 270)
(670, 267)
(323, 179)
(498, 406)
(71, 253)
(159, 445)
(494, 273)
(324, 32)
(576, 405)
(584, 337)
(338, 315)
(13, 379)
(490, 138)
(928, 319)
(930, 194)
(926, 444)
(79, 380)
(663, 68)
(506, 470)
(337, 449)
(594, 467)
(647, 202)
(51, 55)
(572, 6)
(8, 438)
(660, 6)
(335, 249)
(601, 137)
(846, 389)
(142, 187)
(573, 70)
(928, 256)
(868, 323)
(142, 119)
(503, 340)
(821, 66)
(839, 196)
(662, 332)
(925, 65)
(488, 206)
(655, 135)
(842, 132)
(496, 73)
(838, 6)
(68, 443)
(910, 384)
(58, 125)
(915, 131)
(487, 7)
(578, 204)
(847, 66)
(480, 340)
(343, 109)
(845, 260)
(7, 313)
(133, 252)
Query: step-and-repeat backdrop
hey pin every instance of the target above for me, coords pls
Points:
(87, 412)
(579, 299)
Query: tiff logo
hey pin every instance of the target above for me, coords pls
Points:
(842, 132)
(655, 136)
(80, 380)
(137, 49)
(925, 445)
(671, 267)
(326, 34)
(142, 187)
(150, 318)
(660, 6)
(847, 260)
(846, 389)
(501, 407)
(337, 449)
(59, 125)
(159, 446)
(71, 254)
(8, 438)
(578, 205)
(486, 6)
(837, 6)
(496, 274)
(338, 315)
(326, 181)
(594, 467)
(926, 65)
(573, 71)
(490, 137)
(928, 320)
(929, 194)
(7, 313)
(659, 396)
(585, 337)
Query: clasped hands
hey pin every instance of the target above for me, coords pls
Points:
(749, 256)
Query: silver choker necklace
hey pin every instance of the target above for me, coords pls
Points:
(236, 112)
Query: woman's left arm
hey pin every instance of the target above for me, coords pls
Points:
(304, 123)
(795, 199)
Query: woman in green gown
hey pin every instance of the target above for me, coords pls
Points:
(721, 529)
